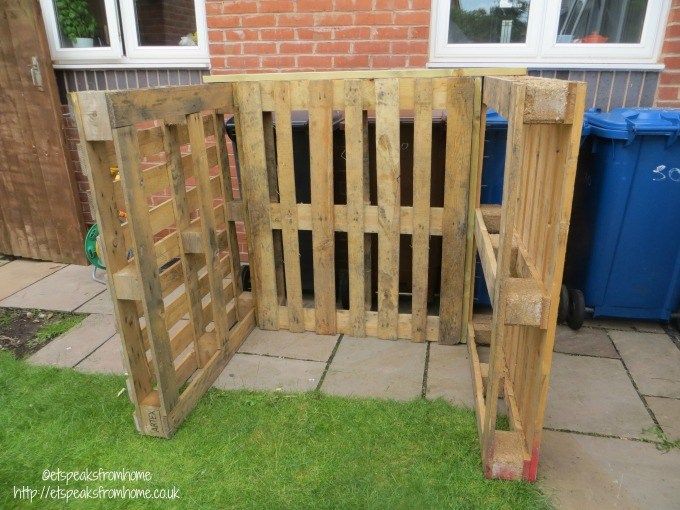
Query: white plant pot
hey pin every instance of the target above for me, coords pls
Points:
(83, 42)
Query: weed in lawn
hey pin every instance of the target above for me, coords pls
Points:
(6, 316)
(663, 442)
(249, 450)
(59, 324)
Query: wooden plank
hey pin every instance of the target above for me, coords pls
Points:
(422, 168)
(388, 173)
(190, 262)
(365, 74)
(289, 224)
(229, 204)
(487, 255)
(210, 246)
(256, 196)
(454, 222)
(145, 261)
(95, 116)
(323, 236)
(115, 257)
(357, 187)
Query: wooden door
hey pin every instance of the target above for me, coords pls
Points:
(40, 214)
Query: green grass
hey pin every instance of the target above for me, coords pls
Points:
(60, 323)
(248, 450)
(6, 316)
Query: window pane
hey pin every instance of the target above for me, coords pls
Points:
(601, 21)
(488, 21)
(82, 23)
(166, 22)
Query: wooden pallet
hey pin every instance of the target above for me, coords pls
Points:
(521, 245)
(171, 262)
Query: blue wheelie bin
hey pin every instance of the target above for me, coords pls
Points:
(624, 244)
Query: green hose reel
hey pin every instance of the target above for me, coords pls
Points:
(91, 247)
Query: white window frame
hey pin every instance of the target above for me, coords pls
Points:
(541, 50)
(134, 55)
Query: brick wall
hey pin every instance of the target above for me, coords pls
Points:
(163, 23)
(307, 35)
(668, 92)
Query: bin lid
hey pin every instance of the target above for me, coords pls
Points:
(495, 120)
(627, 123)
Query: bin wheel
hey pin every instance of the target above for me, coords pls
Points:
(245, 278)
(343, 289)
(563, 309)
(577, 309)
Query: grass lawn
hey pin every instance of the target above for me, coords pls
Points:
(246, 450)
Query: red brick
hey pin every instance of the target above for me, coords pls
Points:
(241, 34)
(224, 21)
(668, 93)
(411, 17)
(259, 20)
(424, 5)
(373, 18)
(225, 49)
(259, 48)
(674, 15)
(278, 61)
(277, 34)
(372, 47)
(240, 6)
(248, 62)
(354, 33)
(351, 61)
(671, 47)
(353, 5)
(296, 47)
(670, 77)
(213, 8)
(420, 32)
(295, 20)
(314, 34)
(672, 31)
(218, 62)
(409, 47)
(216, 35)
(398, 33)
(315, 61)
(276, 6)
(314, 5)
(388, 61)
(672, 62)
(337, 47)
(333, 19)
(417, 60)
(391, 4)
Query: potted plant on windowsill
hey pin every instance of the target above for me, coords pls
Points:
(76, 22)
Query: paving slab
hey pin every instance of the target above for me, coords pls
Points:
(106, 359)
(368, 367)
(282, 343)
(585, 341)
(101, 303)
(252, 372)
(65, 290)
(582, 472)
(594, 395)
(607, 323)
(74, 345)
(448, 375)
(667, 412)
(653, 360)
(648, 326)
(18, 274)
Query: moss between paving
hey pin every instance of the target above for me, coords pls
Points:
(247, 450)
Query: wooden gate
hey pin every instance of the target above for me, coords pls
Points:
(40, 214)
(276, 218)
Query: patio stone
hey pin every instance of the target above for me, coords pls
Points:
(282, 343)
(65, 290)
(74, 345)
(448, 375)
(610, 323)
(585, 341)
(101, 303)
(368, 367)
(106, 359)
(653, 360)
(594, 395)
(579, 472)
(252, 372)
(648, 327)
(667, 412)
(18, 274)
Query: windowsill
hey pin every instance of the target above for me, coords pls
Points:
(577, 66)
(138, 64)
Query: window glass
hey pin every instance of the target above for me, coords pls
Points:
(82, 23)
(488, 21)
(166, 22)
(601, 21)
